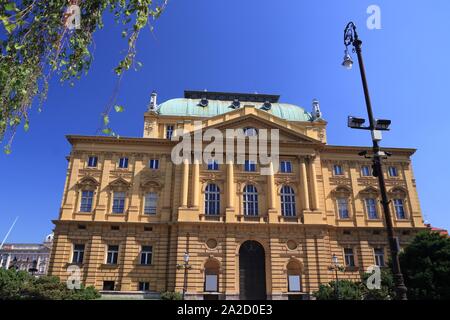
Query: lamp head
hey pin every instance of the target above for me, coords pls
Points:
(186, 257)
(334, 259)
(348, 62)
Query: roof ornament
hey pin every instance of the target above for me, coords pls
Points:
(235, 104)
(266, 105)
(153, 106)
(203, 101)
(316, 113)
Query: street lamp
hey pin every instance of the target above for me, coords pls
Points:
(185, 266)
(375, 126)
(335, 267)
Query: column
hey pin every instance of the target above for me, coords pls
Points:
(313, 179)
(304, 184)
(196, 184)
(230, 184)
(184, 183)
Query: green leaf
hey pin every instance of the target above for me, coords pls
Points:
(105, 120)
(118, 108)
(26, 126)
(107, 131)
(10, 6)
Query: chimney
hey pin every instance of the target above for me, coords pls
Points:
(153, 105)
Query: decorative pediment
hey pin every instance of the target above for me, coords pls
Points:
(151, 185)
(398, 192)
(87, 182)
(342, 190)
(119, 184)
(370, 191)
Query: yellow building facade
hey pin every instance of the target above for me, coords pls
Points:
(129, 214)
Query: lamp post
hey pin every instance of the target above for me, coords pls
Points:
(335, 267)
(185, 266)
(375, 126)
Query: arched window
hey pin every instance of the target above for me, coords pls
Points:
(250, 200)
(212, 200)
(287, 201)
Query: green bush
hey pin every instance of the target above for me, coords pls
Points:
(171, 296)
(347, 290)
(425, 264)
(19, 285)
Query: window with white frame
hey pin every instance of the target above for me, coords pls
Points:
(365, 171)
(249, 166)
(285, 166)
(150, 203)
(371, 207)
(399, 209)
(112, 254)
(92, 161)
(250, 198)
(393, 172)
(342, 204)
(212, 199)
(294, 283)
(146, 255)
(87, 197)
(213, 165)
(337, 170)
(349, 257)
(123, 163)
(153, 164)
(78, 253)
(287, 201)
(211, 282)
(169, 131)
(379, 256)
(118, 205)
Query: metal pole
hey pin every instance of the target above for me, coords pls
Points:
(337, 282)
(400, 287)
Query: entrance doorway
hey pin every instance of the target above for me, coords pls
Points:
(252, 271)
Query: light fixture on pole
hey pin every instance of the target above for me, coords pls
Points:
(375, 126)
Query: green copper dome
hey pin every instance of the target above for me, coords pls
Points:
(192, 107)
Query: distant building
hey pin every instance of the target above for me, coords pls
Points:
(441, 231)
(27, 256)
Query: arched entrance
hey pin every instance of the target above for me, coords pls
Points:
(252, 271)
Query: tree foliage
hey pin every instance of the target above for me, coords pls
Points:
(36, 44)
(425, 266)
(20, 285)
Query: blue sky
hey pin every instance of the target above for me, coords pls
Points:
(292, 48)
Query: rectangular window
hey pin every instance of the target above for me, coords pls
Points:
(78, 253)
(371, 206)
(153, 164)
(365, 171)
(343, 208)
(112, 254)
(146, 255)
(123, 163)
(92, 161)
(213, 165)
(86, 201)
(286, 167)
(109, 285)
(393, 172)
(379, 256)
(250, 166)
(144, 286)
(211, 283)
(399, 209)
(294, 283)
(337, 170)
(349, 257)
(169, 132)
(118, 202)
(151, 203)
